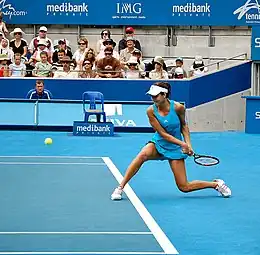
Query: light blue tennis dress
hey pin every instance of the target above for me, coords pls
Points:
(171, 123)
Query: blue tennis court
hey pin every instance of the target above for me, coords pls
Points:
(56, 199)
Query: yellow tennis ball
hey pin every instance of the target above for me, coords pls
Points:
(48, 141)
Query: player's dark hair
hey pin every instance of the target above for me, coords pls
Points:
(165, 85)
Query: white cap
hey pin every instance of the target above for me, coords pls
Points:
(43, 28)
(155, 90)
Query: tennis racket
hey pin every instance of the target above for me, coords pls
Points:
(204, 160)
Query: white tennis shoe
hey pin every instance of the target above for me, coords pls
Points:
(117, 194)
(222, 188)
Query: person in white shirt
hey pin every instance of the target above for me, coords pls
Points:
(198, 68)
(80, 53)
(17, 69)
(158, 73)
(42, 35)
(66, 72)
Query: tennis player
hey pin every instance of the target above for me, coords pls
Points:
(167, 118)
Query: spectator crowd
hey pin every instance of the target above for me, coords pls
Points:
(44, 58)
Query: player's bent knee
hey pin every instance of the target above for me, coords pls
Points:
(143, 156)
(184, 187)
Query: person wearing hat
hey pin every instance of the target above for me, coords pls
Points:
(108, 67)
(62, 45)
(178, 64)
(4, 68)
(42, 35)
(198, 68)
(42, 47)
(3, 28)
(158, 73)
(18, 44)
(126, 53)
(67, 70)
(108, 43)
(170, 142)
(138, 54)
(129, 32)
(132, 70)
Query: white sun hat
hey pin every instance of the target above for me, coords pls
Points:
(155, 90)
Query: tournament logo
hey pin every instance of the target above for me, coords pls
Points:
(129, 11)
(9, 10)
(250, 11)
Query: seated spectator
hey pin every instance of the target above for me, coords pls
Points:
(67, 70)
(138, 54)
(108, 43)
(6, 50)
(4, 68)
(33, 46)
(158, 73)
(18, 44)
(42, 68)
(42, 47)
(178, 63)
(87, 71)
(17, 69)
(39, 92)
(62, 45)
(90, 55)
(126, 53)
(109, 67)
(133, 71)
(80, 53)
(178, 73)
(3, 28)
(105, 34)
(151, 65)
(129, 32)
(198, 68)
(1, 38)
(58, 65)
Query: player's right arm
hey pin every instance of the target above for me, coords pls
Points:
(157, 127)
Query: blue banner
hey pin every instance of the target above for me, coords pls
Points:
(134, 12)
(255, 43)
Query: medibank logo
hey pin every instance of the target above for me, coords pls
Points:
(93, 128)
(67, 8)
(191, 9)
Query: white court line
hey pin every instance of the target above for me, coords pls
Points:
(77, 233)
(78, 253)
(50, 157)
(50, 163)
(160, 236)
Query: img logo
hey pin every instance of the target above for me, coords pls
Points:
(67, 9)
(250, 11)
(10, 11)
(129, 11)
(191, 9)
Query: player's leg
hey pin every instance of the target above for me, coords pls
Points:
(148, 152)
(179, 171)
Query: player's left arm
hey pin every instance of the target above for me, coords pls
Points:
(181, 111)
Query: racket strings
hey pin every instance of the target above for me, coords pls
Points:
(207, 161)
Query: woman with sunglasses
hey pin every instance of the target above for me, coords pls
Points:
(80, 53)
(18, 44)
(105, 34)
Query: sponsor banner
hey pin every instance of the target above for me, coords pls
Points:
(133, 12)
(255, 43)
(92, 129)
(252, 125)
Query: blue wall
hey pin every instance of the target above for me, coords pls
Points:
(193, 92)
(142, 12)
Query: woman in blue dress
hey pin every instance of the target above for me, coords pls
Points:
(167, 118)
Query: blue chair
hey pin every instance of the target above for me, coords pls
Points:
(91, 98)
